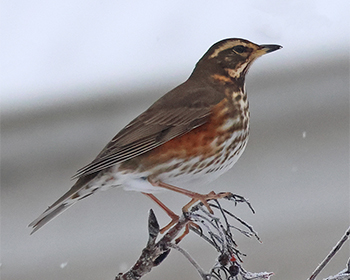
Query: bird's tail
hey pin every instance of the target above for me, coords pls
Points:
(79, 191)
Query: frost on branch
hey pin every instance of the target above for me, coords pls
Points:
(216, 229)
(342, 275)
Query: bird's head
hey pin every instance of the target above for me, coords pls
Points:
(232, 57)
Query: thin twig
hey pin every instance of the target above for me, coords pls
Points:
(330, 255)
(191, 260)
(251, 229)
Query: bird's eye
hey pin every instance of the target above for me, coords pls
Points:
(239, 49)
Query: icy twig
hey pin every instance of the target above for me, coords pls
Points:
(191, 260)
(342, 275)
(216, 229)
(330, 256)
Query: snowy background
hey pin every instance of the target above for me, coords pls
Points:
(73, 73)
(57, 51)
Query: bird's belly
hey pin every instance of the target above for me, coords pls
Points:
(183, 173)
(201, 171)
(191, 160)
(189, 173)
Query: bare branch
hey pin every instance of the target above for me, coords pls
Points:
(214, 229)
(154, 253)
(330, 256)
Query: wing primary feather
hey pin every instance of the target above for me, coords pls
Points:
(47, 217)
(115, 158)
(76, 193)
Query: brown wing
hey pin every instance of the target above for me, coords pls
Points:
(176, 113)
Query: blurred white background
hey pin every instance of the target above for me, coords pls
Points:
(73, 73)
(56, 51)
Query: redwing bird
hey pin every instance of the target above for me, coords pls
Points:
(190, 136)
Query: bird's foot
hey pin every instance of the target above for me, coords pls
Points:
(204, 198)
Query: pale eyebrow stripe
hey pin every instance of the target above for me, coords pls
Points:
(225, 46)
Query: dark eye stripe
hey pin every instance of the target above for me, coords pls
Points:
(239, 49)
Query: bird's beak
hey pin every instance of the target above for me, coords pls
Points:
(267, 49)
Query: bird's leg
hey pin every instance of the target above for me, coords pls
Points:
(174, 218)
(187, 230)
(204, 198)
